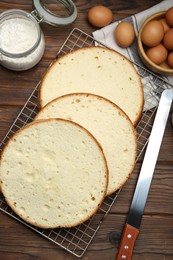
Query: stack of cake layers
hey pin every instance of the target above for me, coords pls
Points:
(82, 144)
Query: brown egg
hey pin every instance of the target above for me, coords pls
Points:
(170, 60)
(165, 25)
(152, 33)
(157, 54)
(100, 16)
(169, 17)
(124, 34)
(168, 39)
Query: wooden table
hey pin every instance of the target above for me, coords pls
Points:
(155, 241)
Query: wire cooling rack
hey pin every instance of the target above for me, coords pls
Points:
(77, 239)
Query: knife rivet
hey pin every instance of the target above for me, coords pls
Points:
(129, 236)
(123, 256)
(126, 247)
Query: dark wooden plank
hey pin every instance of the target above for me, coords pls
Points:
(152, 242)
(7, 116)
(160, 194)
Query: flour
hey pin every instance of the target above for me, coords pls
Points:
(18, 35)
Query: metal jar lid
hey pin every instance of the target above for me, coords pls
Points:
(51, 11)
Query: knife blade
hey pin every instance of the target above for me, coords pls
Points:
(132, 226)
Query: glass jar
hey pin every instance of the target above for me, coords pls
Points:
(22, 43)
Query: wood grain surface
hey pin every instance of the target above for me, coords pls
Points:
(155, 241)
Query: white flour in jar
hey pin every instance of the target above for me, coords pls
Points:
(19, 35)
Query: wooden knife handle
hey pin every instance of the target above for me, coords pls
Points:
(127, 242)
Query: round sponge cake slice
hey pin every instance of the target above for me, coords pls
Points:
(99, 71)
(108, 123)
(53, 174)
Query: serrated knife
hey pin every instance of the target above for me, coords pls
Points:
(132, 226)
